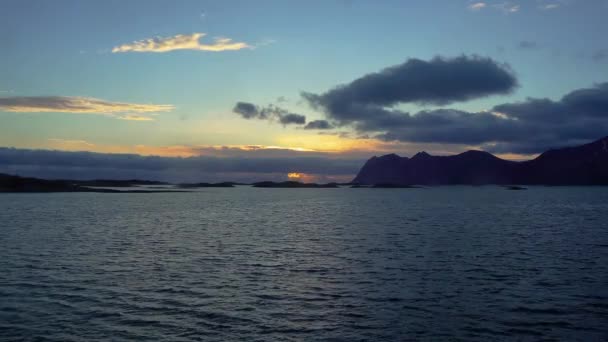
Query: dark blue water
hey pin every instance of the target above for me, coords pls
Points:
(443, 263)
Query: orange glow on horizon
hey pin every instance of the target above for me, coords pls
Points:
(301, 177)
(183, 151)
(329, 145)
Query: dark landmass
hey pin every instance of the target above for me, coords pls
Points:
(385, 186)
(292, 184)
(394, 186)
(514, 187)
(115, 183)
(581, 165)
(207, 185)
(9, 183)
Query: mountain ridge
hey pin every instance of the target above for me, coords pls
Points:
(579, 165)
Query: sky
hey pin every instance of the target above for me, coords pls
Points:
(307, 90)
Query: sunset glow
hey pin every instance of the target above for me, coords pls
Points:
(238, 170)
(302, 177)
(229, 81)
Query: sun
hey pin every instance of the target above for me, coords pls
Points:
(294, 175)
(301, 177)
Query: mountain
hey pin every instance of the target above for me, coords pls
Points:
(581, 165)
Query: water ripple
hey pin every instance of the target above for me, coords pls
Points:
(449, 263)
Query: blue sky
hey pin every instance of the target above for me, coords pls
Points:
(64, 48)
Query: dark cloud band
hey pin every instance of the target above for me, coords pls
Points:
(250, 111)
(367, 104)
(531, 126)
(439, 81)
(89, 165)
(318, 124)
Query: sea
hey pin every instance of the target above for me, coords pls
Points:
(451, 263)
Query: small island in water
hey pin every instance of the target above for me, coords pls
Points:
(293, 184)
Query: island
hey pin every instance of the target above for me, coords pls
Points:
(207, 185)
(293, 184)
(12, 183)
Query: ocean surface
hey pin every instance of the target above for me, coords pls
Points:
(444, 263)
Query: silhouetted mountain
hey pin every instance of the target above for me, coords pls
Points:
(581, 165)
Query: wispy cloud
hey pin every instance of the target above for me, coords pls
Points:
(181, 42)
(477, 6)
(319, 124)
(65, 144)
(265, 42)
(135, 117)
(81, 105)
(507, 7)
(600, 55)
(271, 112)
(527, 45)
(548, 7)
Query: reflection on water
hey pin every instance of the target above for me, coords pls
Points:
(306, 264)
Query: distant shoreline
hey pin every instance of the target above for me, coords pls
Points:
(18, 184)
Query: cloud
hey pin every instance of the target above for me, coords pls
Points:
(507, 7)
(247, 110)
(477, 6)
(70, 143)
(80, 105)
(527, 45)
(135, 117)
(600, 55)
(271, 112)
(368, 105)
(532, 126)
(347, 148)
(262, 151)
(180, 42)
(548, 7)
(291, 118)
(580, 104)
(319, 124)
(439, 81)
(89, 165)
(264, 42)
